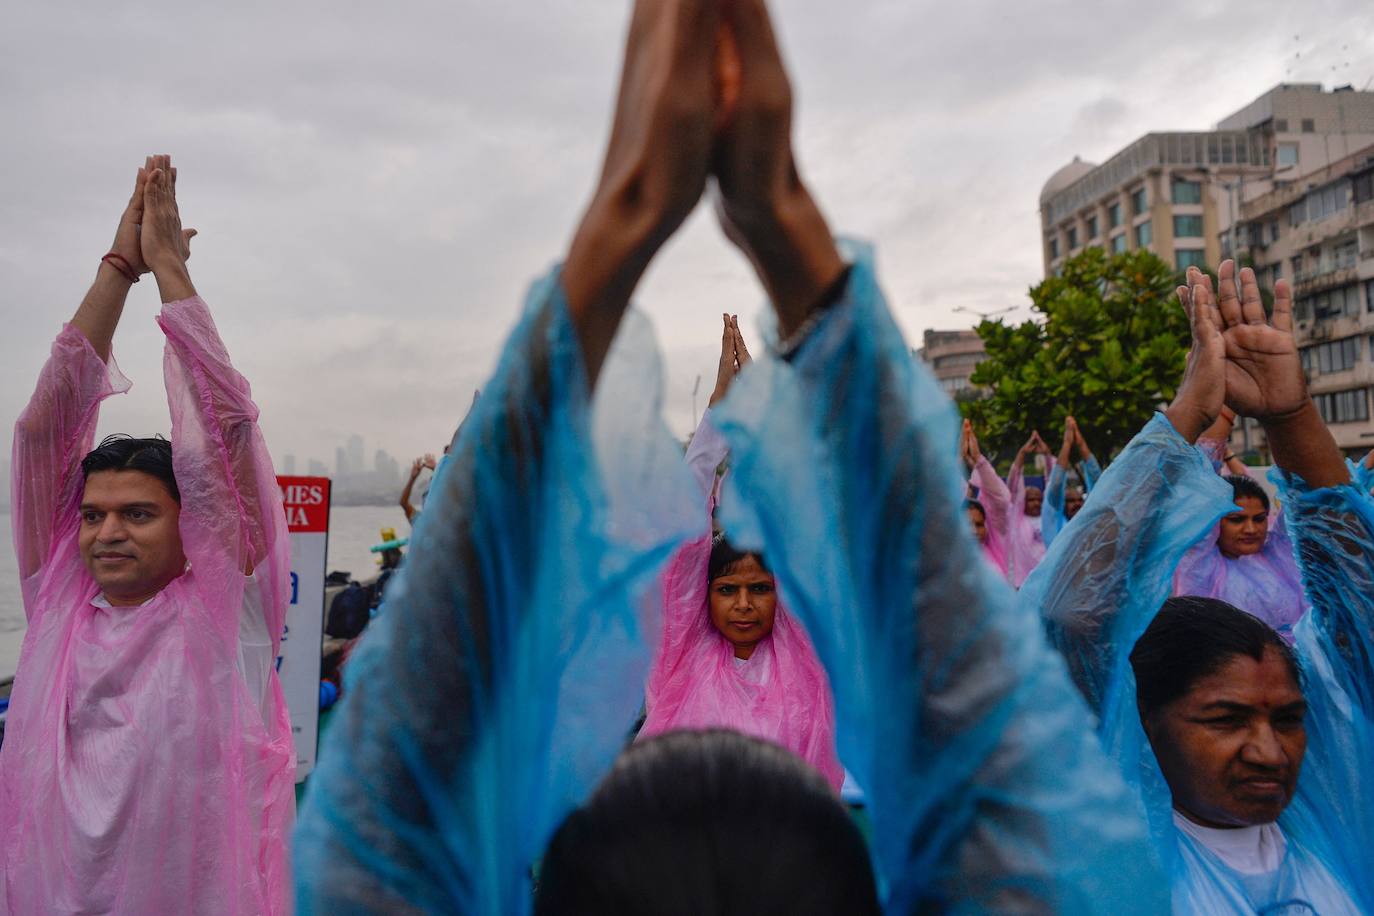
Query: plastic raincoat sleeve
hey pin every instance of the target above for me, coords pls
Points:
(705, 453)
(508, 669)
(1091, 472)
(1362, 473)
(1333, 812)
(52, 435)
(232, 521)
(1052, 512)
(987, 787)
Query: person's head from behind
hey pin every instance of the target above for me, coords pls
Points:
(708, 823)
(1034, 497)
(741, 595)
(1220, 696)
(130, 510)
(1073, 501)
(1244, 531)
(977, 519)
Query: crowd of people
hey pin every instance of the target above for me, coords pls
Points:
(616, 679)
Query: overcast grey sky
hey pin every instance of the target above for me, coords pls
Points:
(376, 184)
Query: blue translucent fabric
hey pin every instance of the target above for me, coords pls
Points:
(1052, 517)
(1362, 474)
(1105, 578)
(506, 674)
(986, 787)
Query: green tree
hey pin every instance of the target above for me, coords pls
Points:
(1108, 348)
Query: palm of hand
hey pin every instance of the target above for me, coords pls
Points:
(1263, 373)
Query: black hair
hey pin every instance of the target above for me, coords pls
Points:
(708, 823)
(120, 452)
(975, 504)
(1243, 486)
(1192, 637)
(725, 555)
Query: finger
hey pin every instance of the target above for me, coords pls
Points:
(1228, 301)
(1283, 308)
(754, 36)
(1206, 319)
(696, 38)
(1185, 299)
(1251, 309)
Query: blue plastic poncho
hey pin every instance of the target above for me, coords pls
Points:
(1102, 583)
(506, 674)
(501, 682)
(1052, 513)
(986, 788)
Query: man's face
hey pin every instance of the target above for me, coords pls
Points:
(1073, 501)
(979, 523)
(1231, 747)
(743, 602)
(1244, 531)
(1034, 496)
(129, 537)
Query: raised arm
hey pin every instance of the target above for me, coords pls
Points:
(1052, 513)
(503, 672)
(707, 449)
(406, 507)
(57, 428)
(992, 490)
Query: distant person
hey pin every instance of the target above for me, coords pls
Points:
(417, 467)
(989, 514)
(1063, 500)
(148, 764)
(1026, 539)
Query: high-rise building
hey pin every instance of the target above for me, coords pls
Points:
(342, 468)
(356, 462)
(288, 464)
(952, 356)
(1178, 193)
(316, 468)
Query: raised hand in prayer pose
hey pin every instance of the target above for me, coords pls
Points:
(148, 763)
(734, 356)
(1025, 537)
(990, 513)
(483, 711)
(1250, 756)
(1061, 501)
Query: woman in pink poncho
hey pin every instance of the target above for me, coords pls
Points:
(730, 655)
(147, 764)
(989, 513)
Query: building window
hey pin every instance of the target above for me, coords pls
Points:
(1273, 231)
(1341, 302)
(1187, 192)
(1343, 406)
(1092, 227)
(1189, 257)
(1137, 201)
(1369, 295)
(1054, 248)
(1119, 245)
(1188, 227)
(1363, 187)
(1287, 155)
(1280, 125)
(1336, 356)
(1143, 235)
(1345, 254)
(1073, 237)
(1309, 126)
(1114, 215)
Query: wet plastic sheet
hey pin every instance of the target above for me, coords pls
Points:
(505, 675)
(986, 787)
(139, 774)
(1052, 517)
(1107, 575)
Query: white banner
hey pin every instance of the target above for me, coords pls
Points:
(298, 661)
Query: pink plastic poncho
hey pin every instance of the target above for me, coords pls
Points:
(1025, 537)
(780, 693)
(995, 499)
(1266, 584)
(140, 773)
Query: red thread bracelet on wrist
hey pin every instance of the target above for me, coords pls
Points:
(119, 263)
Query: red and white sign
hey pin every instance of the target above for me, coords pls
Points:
(306, 500)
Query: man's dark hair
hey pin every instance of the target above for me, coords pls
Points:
(1192, 637)
(1243, 486)
(725, 555)
(708, 823)
(125, 453)
(975, 504)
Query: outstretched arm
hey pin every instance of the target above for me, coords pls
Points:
(502, 670)
(406, 507)
(57, 428)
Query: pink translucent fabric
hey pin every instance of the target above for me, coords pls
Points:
(1026, 540)
(780, 693)
(138, 774)
(995, 499)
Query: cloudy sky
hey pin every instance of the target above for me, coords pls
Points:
(375, 184)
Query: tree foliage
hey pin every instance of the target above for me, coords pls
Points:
(1108, 347)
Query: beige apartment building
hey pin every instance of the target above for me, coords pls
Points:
(952, 356)
(1280, 183)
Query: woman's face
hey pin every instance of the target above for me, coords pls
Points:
(978, 521)
(1034, 497)
(743, 602)
(1232, 746)
(1244, 531)
(1073, 501)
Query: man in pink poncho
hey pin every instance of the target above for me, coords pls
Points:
(147, 764)
(730, 655)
